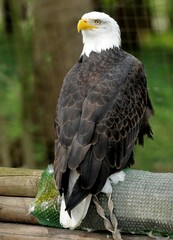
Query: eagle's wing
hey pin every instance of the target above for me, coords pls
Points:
(96, 132)
(67, 120)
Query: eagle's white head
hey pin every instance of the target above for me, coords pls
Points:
(100, 32)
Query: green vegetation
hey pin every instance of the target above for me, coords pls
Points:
(157, 155)
(156, 54)
(9, 88)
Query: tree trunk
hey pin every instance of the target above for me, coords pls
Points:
(7, 16)
(57, 46)
(24, 74)
(5, 158)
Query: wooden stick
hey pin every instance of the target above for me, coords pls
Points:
(19, 182)
(9, 231)
(16, 209)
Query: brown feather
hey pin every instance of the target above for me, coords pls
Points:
(102, 110)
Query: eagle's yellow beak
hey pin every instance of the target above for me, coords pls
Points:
(83, 24)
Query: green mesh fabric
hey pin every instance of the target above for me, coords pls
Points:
(45, 206)
(143, 203)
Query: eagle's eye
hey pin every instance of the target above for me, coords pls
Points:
(97, 21)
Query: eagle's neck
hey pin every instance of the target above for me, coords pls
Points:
(94, 43)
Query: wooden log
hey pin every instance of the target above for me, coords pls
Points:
(19, 182)
(16, 210)
(9, 231)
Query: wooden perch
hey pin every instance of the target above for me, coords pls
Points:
(16, 210)
(9, 231)
(19, 182)
(18, 187)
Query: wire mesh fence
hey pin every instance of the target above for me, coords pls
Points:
(39, 44)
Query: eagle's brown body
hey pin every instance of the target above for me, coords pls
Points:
(102, 112)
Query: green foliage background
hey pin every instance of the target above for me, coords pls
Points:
(156, 53)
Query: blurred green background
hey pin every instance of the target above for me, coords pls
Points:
(39, 44)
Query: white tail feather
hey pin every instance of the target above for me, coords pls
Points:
(77, 214)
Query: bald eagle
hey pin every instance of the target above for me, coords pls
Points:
(102, 112)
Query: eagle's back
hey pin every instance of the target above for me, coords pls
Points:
(102, 112)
